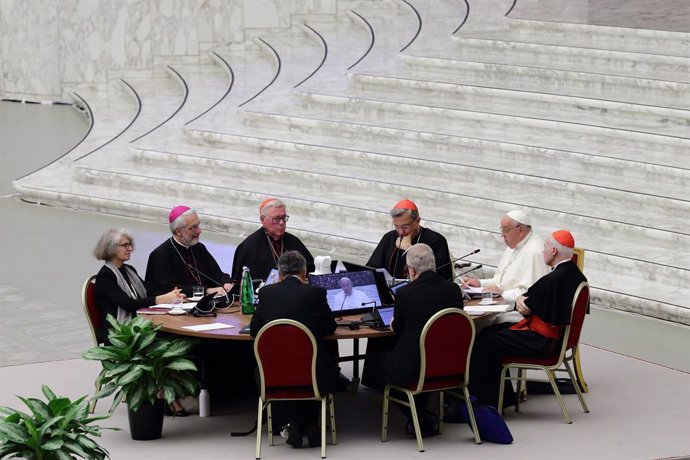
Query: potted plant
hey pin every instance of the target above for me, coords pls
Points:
(57, 429)
(145, 369)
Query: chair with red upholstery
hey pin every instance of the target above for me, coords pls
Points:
(93, 318)
(445, 349)
(552, 364)
(285, 353)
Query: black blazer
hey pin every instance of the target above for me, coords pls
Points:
(109, 296)
(414, 305)
(290, 299)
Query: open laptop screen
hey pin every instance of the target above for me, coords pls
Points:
(349, 293)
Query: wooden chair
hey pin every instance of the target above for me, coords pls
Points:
(285, 353)
(550, 365)
(445, 347)
(94, 320)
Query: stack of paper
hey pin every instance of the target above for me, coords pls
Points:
(476, 310)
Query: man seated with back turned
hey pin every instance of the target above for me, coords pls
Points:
(546, 307)
(520, 266)
(427, 294)
(182, 261)
(260, 250)
(391, 250)
(292, 298)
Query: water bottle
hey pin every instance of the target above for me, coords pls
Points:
(247, 292)
(204, 403)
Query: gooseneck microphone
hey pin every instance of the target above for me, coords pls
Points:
(192, 267)
(468, 271)
(458, 259)
(372, 302)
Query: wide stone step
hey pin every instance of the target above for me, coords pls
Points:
(584, 198)
(552, 81)
(657, 42)
(409, 93)
(625, 63)
(476, 125)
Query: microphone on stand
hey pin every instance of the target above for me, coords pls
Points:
(463, 265)
(216, 282)
(468, 271)
(458, 259)
(364, 304)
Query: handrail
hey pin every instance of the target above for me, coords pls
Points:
(323, 60)
(275, 77)
(184, 100)
(372, 35)
(136, 115)
(228, 68)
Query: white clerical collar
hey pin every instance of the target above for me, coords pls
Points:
(183, 245)
(562, 261)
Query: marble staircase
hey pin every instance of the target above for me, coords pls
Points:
(587, 128)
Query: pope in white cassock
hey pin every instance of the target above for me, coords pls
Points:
(349, 298)
(520, 266)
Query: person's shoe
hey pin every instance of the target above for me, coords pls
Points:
(294, 436)
(313, 436)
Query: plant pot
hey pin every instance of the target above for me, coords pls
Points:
(147, 423)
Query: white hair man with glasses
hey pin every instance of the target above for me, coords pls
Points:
(182, 261)
(521, 264)
(261, 250)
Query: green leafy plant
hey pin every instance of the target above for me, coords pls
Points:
(57, 429)
(141, 366)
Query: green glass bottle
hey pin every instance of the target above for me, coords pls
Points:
(247, 292)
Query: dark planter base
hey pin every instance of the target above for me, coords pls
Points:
(147, 423)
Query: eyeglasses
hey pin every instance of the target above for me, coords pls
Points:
(126, 245)
(276, 220)
(505, 230)
(404, 227)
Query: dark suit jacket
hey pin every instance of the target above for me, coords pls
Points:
(414, 305)
(166, 270)
(290, 299)
(109, 296)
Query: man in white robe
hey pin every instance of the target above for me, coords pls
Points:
(520, 266)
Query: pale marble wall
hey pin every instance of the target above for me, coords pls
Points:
(45, 44)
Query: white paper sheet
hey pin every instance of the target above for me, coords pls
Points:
(481, 309)
(208, 327)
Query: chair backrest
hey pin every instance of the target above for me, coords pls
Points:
(577, 316)
(445, 349)
(88, 300)
(285, 352)
(579, 258)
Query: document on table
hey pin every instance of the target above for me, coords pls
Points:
(476, 310)
(207, 327)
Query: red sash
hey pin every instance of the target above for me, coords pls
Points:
(535, 324)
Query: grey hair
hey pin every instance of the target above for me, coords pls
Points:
(421, 258)
(107, 244)
(292, 263)
(397, 212)
(564, 252)
(271, 204)
(179, 222)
